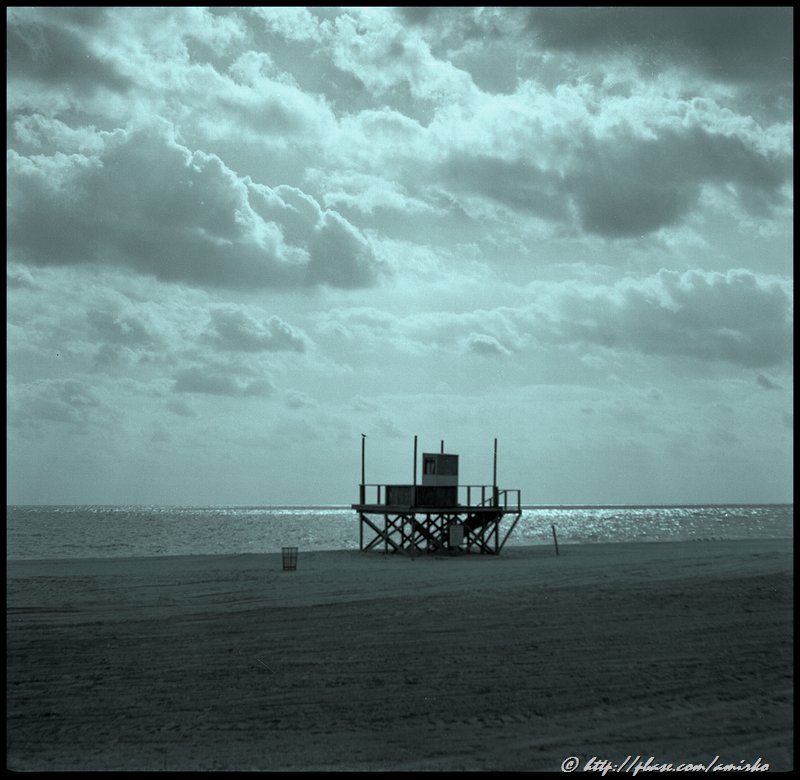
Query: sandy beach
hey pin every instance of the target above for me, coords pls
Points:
(360, 661)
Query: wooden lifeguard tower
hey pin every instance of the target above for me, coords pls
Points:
(438, 515)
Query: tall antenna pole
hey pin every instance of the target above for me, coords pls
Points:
(442, 450)
(494, 475)
(363, 449)
(414, 491)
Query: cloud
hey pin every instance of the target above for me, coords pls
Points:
(219, 380)
(361, 325)
(631, 186)
(727, 43)
(298, 400)
(623, 185)
(55, 55)
(387, 55)
(293, 23)
(124, 335)
(125, 329)
(518, 184)
(361, 405)
(150, 204)
(436, 333)
(181, 408)
(160, 434)
(385, 427)
(340, 255)
(481, 344)
(767, 383)
(20, 277)
(254, 96)
(68, 401)
(736, 317)
(235, 329)
(366, 192)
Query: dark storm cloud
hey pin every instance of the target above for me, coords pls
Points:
(627, 186)
(632, 186)
(733, 317)
(56, 55)
(236, 330)
(518, 184)
(148, 203)
(339, 255)
(750, 44)
(416, 14)
(464, 24)
(89, 17)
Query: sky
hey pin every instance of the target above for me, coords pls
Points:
(240, 238)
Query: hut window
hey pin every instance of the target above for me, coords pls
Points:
(429, 467)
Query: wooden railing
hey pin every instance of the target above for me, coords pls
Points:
(482, 495)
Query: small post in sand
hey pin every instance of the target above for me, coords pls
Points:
(554, 537)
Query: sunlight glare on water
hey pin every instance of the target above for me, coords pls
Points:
(112, 531)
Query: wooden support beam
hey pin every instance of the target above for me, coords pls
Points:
(508, 533)
(381, 535)
(405, 529)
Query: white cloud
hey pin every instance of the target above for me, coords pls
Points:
(256, 99)
(125, 329)
(366, 192)
(482, 344)
(295, 24)
(149, 203)
(66, 401)
(371, 44)
(233, 328)
(736, 317)
(219, 380)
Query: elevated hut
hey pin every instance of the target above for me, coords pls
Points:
(438, 515)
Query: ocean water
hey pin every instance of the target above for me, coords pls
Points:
(35, 532)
